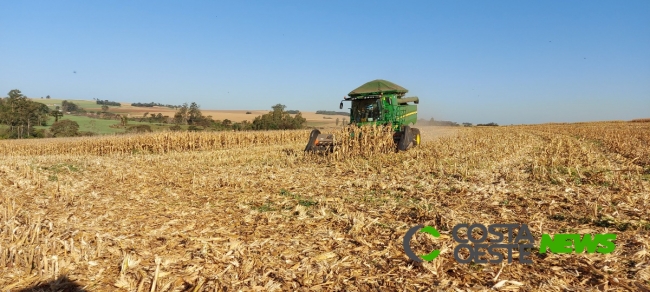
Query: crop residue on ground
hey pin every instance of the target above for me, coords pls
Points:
(246, 214)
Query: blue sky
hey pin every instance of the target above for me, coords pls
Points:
(508, 62)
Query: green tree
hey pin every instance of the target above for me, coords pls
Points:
(181, 116)
(279, 107)
(21, 115)
(194, 115)
(206, 122)
(69, 106)
(65, 128)
(104, 108)
(56, 113)
(37, 114)
(298, 121)
(278, 119)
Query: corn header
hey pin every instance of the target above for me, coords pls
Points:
(379, 103)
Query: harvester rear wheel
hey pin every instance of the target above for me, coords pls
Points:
(405, 139)
(312, 139)
(416, 137)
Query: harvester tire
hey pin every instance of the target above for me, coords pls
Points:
(405, 139)
(416, 137)
(312, 138)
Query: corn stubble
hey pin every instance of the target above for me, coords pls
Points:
(251, 212)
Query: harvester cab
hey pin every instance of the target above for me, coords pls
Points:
(380, 103)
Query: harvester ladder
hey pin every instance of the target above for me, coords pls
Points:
(399, 116)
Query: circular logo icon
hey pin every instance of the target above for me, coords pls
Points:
(407, 245)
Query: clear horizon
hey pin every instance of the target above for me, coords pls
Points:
(504, 62)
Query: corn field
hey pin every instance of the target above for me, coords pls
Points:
(158, 143)
(248, 211)
(353, 141)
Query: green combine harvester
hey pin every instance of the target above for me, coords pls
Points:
(378, 102)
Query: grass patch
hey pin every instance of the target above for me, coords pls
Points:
(57, 168)
(265, 208)
(604, 222)
(301, 200)
(623, 226)
(87, 124)
(88, 105)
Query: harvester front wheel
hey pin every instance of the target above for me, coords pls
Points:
(312, 139)
(405, 139)
(416, 137)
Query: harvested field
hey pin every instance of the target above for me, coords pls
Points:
(229, 211)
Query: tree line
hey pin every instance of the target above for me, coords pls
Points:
(152, 104)
(277, 119)
(19, 115)
(190, 115)
(108, 102)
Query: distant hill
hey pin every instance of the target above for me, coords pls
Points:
(152, 108)
(433, 122)
(332, 113)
